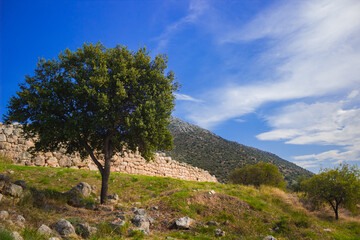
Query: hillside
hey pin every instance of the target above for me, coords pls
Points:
(239, 212)
(204, 149)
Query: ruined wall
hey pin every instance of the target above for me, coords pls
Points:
(14, 146)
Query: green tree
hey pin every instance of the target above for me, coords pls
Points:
(96, 101)
(258, 174)
(338, 187)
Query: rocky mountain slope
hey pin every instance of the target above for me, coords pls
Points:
(204, 149)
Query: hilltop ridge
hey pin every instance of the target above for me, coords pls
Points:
(204, 149)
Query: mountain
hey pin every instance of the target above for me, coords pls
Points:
(202, 148)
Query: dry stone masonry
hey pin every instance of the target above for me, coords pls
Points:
(14, 146)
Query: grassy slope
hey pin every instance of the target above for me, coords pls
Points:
(203, 149)
(250, 212)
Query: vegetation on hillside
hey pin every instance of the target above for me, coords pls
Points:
(337, 187)
(258, 174)
(243, 212)
(203, 149)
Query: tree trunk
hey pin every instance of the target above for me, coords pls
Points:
(336, 212)
(105, 174)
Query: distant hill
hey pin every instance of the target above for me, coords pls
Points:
(204, 149)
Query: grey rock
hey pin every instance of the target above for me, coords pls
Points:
(154, 208)
(212, 223)
(44, 230)
(2, 138)
(82, 189)
(4, 215)
(269, 238)
(8, 131)
(21, 183)
(54, 238)
(13, 190)
(20, 221)
(142, 222)
(16, 236)
(140, 211)
(170, 238)
(4, 178)
(118, 222)
(85, 230)
(113, 196)
(10, 171)
(1, 196)
(219, 233)
(184, 223)
(106, 208)
(64, 228)
(133, 209)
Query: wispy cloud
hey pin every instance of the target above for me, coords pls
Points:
(184, 97)
(196, 8)
(321, 123)
(313, 51)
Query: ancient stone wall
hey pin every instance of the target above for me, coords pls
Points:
(15, 146)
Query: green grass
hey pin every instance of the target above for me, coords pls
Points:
(243, 212)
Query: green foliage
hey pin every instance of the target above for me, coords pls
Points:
(258, 174)
(338, 187)
(5, 235)
(31, 234)
(203, 149)
(4, 159)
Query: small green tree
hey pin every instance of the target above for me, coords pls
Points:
(258, 174)
(338, 187)
(96, 101)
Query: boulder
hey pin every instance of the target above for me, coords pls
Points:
(85, 230)
(64, 228)
(113, 198)
(44, 230)
(21, 183)
(184, 223)
(106, 208)
(219, 233)
(4, 215)
(269, 238)
(20, 221)
(82, 189)
(140, 211)
(13, 190)
(4, 179)
(212, 223)
(116, 223)
(16, 236)
(142, 222)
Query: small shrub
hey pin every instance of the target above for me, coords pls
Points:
(30, 234)
(5, 160)
(136, 234)
(5, 235)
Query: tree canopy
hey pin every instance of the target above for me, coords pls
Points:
(258, 174)
(338, 187)
(96, 101)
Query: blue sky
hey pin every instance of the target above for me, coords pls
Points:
(282, 76)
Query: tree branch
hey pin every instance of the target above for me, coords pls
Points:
(92, 155)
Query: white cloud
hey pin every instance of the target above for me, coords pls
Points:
(314, 51)
(196, 8)
(184, 97)
(322, 123)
